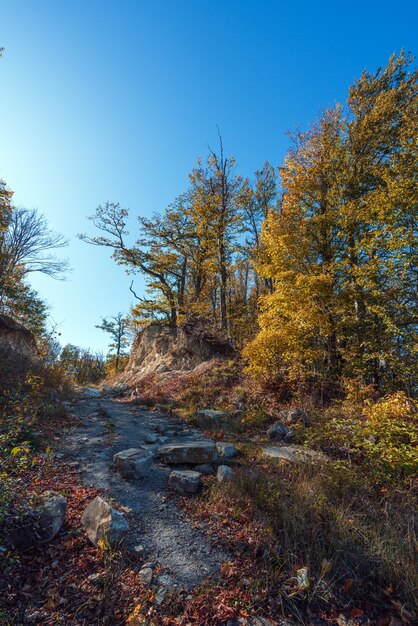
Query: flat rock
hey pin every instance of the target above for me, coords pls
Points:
(193, 452)
(207, 418)
(134, 462)
(226, 450)
(293, 454)
(185, 481)
(103, 523)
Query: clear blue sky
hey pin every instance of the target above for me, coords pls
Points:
(113, 100)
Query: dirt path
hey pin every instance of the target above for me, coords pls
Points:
(109, 426)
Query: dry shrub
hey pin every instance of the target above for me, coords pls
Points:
(347, 533)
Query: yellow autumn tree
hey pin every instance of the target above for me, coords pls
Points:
(342, 249)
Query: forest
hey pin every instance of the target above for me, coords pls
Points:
(309, 273)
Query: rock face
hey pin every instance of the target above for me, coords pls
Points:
(103, 523)
(293, 454)
(193, 452)
(133, 463)
(209, 419)
(16, 338)
(280, 432)
(40, 524)
(185, 481)
(159, 349)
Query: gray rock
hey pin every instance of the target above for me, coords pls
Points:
(224, 473)
(193, 452)
(205, 468)
(294, 416)
(279, 431)
(145, 574)
(185, 481)
(208, 419)
(293, 454)
(103, 523)
(39, 524)
(151, 438)
(151, 447)
(160, 595)
(226, 450)
(133, 463)
(90, 392)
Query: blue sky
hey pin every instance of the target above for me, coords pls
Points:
(114, 100)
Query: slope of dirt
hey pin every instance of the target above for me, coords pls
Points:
(156, 522)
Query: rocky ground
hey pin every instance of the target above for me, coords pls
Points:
(108, 426)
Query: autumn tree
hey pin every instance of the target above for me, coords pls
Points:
(219, 197)
(342, 249)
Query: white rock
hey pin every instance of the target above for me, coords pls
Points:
(103, 523)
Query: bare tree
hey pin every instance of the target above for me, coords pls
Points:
(28, 244)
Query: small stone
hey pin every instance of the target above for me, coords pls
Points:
(224, 473)
(160, 595)
(226, 450)
(151, 438)
(138, 550)
(145, 574)
(281, 432)
(185, 481)
(133, 463)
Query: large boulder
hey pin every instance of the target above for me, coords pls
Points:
(103, 524)
(193, 452)
(38, 524)
(133, 463)
(185, 481)
(293, 454)
(209, 419)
